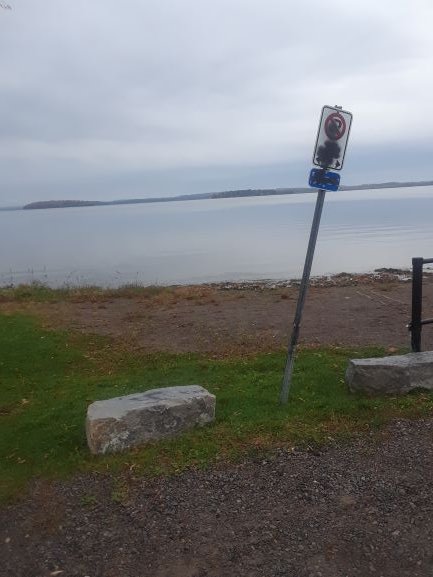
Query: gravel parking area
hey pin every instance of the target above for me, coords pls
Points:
(356, 509)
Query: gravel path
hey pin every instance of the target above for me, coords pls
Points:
(358, 509)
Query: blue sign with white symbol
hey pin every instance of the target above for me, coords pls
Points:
(324, 179)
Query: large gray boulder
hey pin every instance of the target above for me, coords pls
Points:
(395, 375)
(123, 422)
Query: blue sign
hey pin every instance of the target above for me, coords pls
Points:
(324, 179)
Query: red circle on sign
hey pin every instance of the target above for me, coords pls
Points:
(335, 126)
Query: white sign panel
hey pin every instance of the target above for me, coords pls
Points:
(332, 138)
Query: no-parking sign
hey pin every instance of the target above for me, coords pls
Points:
(332, 137)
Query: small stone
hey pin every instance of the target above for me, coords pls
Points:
(347, 500)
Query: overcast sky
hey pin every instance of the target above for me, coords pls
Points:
(134, 98)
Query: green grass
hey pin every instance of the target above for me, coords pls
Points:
(48, 378)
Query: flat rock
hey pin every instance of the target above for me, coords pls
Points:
(394, 375)
(123, 422)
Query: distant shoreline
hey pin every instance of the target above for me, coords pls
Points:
(211, 195)
(376, 276)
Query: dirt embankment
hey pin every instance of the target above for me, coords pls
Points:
(246, 318)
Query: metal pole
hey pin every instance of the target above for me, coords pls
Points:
(284, 395)
(416, 324)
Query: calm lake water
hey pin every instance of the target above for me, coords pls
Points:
(215, 240)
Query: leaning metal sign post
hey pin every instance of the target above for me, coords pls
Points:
(331, 142)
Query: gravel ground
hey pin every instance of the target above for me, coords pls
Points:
(357, 509)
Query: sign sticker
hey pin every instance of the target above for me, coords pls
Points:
(335, 126)
(324, 179)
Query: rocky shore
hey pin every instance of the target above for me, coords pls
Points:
(382, 275)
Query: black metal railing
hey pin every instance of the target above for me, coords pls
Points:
(417, 322)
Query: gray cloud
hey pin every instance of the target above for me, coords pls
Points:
(105, 98)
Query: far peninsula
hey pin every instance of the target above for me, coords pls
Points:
(214, 195)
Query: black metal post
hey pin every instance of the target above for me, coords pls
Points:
(416, 324)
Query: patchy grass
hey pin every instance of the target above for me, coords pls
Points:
(39, 292)
(48, 378)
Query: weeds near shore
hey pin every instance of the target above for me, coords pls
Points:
(39, 292)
